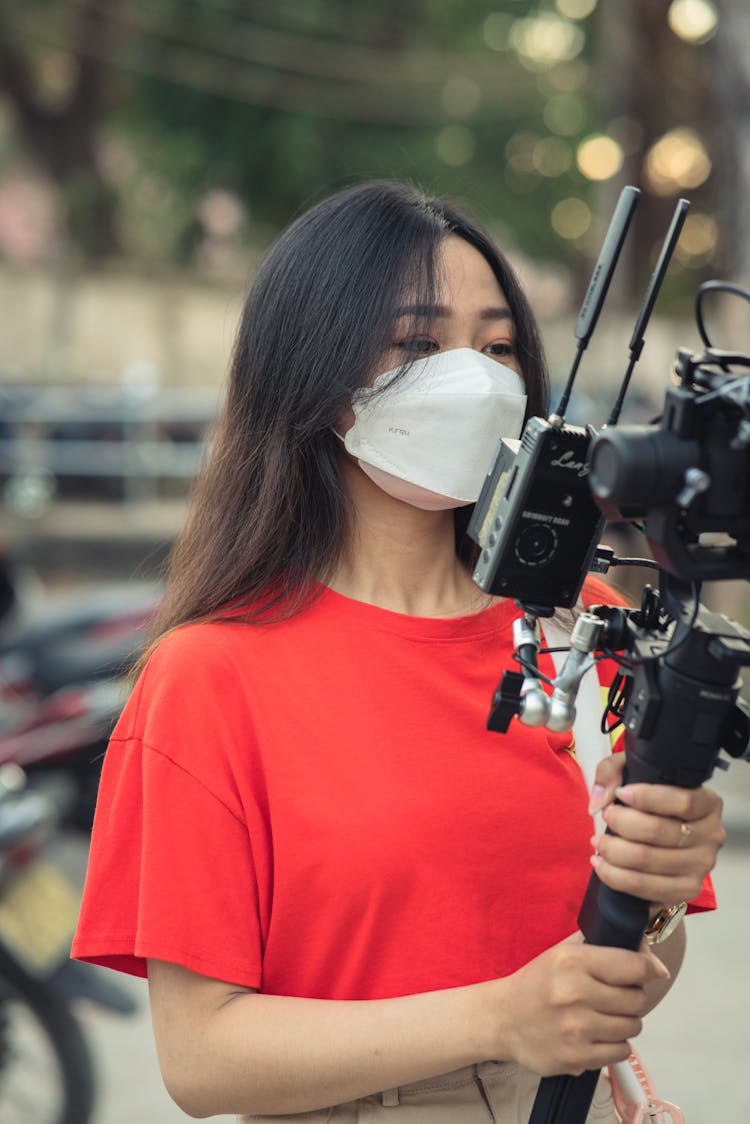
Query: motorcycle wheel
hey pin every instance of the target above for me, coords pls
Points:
(46, 1068)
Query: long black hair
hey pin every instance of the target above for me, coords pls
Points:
(269, 513)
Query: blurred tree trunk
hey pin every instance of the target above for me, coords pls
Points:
(62, 139)
(733, 136)
(655, 83)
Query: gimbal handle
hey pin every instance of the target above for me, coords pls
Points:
(681, 712)
(615, 920)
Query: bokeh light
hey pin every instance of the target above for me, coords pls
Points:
(570, 218)
(677, 160)
(221, 213)
(564, 114)
(543, 41)
(599, 157)
(55, 75)
(695, 21)
(455, 145)
(575, 9)
(519, 152)
(699, 239)
(29, 218)
(551, 157)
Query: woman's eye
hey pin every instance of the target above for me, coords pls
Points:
(418, 345)
(501, 349)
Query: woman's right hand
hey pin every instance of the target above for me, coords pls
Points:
(576, 1006)
(225, 1049)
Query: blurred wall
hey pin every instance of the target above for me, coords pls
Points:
(89, 326)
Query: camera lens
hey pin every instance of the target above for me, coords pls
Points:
(536, 545)
(635, 469)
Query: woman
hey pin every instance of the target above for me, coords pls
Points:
(341, 886)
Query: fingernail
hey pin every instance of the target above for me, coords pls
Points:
(661, 968)
(595, 843)
(596, 861)
(624, 794)
(597, 798)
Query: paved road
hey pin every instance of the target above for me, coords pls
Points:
(695, 1044)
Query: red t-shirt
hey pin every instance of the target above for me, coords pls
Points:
(315, 808)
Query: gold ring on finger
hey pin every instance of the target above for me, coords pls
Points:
(685, 832)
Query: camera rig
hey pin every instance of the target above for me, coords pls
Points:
(538, 523)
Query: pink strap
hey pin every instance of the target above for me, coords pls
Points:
(648, 1108)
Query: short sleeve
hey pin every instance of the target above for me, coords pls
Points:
(172, 874)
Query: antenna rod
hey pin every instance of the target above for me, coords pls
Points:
(654, 285)
(599, 284)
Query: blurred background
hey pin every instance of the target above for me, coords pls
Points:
(151, 149)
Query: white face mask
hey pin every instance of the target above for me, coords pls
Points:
(429, 439)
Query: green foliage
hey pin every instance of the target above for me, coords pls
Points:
(278, 102)
(347, 91)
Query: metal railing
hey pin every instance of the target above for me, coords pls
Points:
(54, 440)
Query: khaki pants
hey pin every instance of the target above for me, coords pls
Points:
(489, 1093)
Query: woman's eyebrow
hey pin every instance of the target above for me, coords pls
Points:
(435, 311)
(500, 313)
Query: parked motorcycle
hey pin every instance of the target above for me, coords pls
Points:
(61, 740)
(63, 667)
(51, 641)
(46, 1067)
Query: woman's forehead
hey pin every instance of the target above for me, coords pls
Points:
(462, 276)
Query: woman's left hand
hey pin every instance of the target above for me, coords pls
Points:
(665, 839)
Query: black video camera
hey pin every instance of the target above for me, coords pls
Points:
(689, 478)
(538, 521)
(545, 500)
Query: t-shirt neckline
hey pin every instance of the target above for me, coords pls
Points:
(467, 626)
